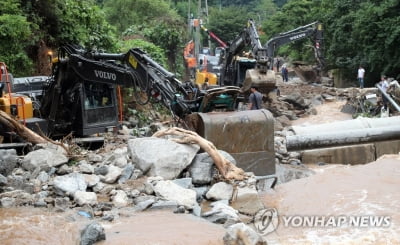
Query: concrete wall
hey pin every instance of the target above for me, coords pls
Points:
(353, 154)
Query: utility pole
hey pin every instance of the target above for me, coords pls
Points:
(189, 21)
(197, 32)
(208, 37)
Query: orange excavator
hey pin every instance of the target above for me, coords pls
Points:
(190, 58)
(198, 63)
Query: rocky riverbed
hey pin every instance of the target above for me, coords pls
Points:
(147, 173)
(134, 185)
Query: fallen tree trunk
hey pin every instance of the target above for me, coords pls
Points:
(21, 130)
(227, 169)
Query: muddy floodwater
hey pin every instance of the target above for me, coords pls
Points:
(340, 192)
(326, 113)
(32, 226)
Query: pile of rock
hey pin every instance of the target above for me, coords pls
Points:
(147, 173)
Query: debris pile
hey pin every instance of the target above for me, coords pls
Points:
(145, 174)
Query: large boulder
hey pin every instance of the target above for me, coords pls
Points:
(221, 213)
(288, 172)
(92, 233)
(85, 198)
(126, 173)
(202, 168)
(242, 234)
(220, 191)
(119, 198)
(112, 175)
(170, 191)
(8, 161)
(43, 158)
(70, 183)
(297, 100)
(161, 157)
(119, 157)
(247, 201)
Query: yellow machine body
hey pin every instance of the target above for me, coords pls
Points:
(20, 106)
(203, 76)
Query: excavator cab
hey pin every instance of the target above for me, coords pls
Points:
(79, 98)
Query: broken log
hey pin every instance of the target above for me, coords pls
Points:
(227, 169)
(27, 134)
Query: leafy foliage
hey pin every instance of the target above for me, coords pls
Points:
(16, 32)
(228, 22)
(152, 20)
(363, 32)
(356, 31)
(83, 23)
(293, 14)
(25, 25)
(155, 52)
(124, 13)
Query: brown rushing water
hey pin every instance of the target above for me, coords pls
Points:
(33, 226)
(363, 190)
(19, 226)
(326, 113)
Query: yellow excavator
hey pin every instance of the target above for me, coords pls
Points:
(18, 105)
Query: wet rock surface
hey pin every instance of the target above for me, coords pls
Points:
(92, 233)
(161, 157)
(8, 161)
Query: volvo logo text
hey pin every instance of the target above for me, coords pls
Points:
(105, 75)
(297, 36)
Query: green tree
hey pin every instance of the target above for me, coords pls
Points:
(125, 13)
(82, 22)
(363, 32)
(228, 23)
(249, 4)
(155, 52)
(280, 3)
(293, 14)
(28, 25)
(152, 20)
(16, 33)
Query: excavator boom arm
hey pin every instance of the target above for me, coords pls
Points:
(313, 30)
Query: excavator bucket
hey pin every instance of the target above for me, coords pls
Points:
(306, 73)
(265, 82)
(247, 135)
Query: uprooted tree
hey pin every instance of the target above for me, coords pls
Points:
(227, 169)
(24, 132)
(30, 136)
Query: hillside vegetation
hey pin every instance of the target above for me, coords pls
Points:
(356, 32)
